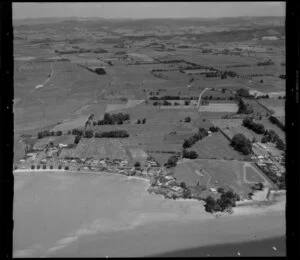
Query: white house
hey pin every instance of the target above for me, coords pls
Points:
(177, 189)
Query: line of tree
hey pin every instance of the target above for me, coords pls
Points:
(112, 119)
(112, 134)
(242, 144)
(255, 127)
(173, 98)
(265, 63)
(227, 200)
(282, 76)
(273, 137)
(217, 98)
(275, 121)
(195, 138)
(46, 133)
(75, 131)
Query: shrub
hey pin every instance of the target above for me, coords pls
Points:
(187, 194)
(67, 168)
(137, 165)
(38, 166)
(59, 167)
(221, 190)
(183, 185)
(77, 139)
(44, 167)
(51, 167)
(32, 167)
(187, 119)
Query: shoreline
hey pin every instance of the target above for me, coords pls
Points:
(135, 214)
(245, 207)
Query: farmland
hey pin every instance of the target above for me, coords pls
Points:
(65, 77)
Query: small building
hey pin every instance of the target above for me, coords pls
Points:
(213, 190)
(62, 145)
(177, 189)
(168, 177)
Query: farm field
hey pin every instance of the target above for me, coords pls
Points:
(69, 89)
(219, 107)
(63, 139)
(269, 126)
(113, 148)
(277, 105)
(220, 173)
(129, 104)
(232, 127)
(72, 124)
(216, 146)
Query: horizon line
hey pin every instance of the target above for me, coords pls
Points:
(149, 18)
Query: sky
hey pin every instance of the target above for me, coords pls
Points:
(137, 10)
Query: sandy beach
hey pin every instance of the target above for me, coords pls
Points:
(94, 215)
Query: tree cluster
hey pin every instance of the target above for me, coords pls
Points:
(265, 63)
(214, 129)
(46, 133)
(242, 144)
(244, 107)
(189, 154)
(172, 161)
(227, 200)
(255, 127)
(195, 138)
(112, 119)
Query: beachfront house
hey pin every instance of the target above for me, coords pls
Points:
(177, 189)
(213, 190)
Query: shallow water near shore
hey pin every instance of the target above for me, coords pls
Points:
(95, 215)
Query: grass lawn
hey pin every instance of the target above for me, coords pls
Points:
(216, 173)
(215, 146)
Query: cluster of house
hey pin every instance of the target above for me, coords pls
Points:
(166, 181)
(267, 161)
